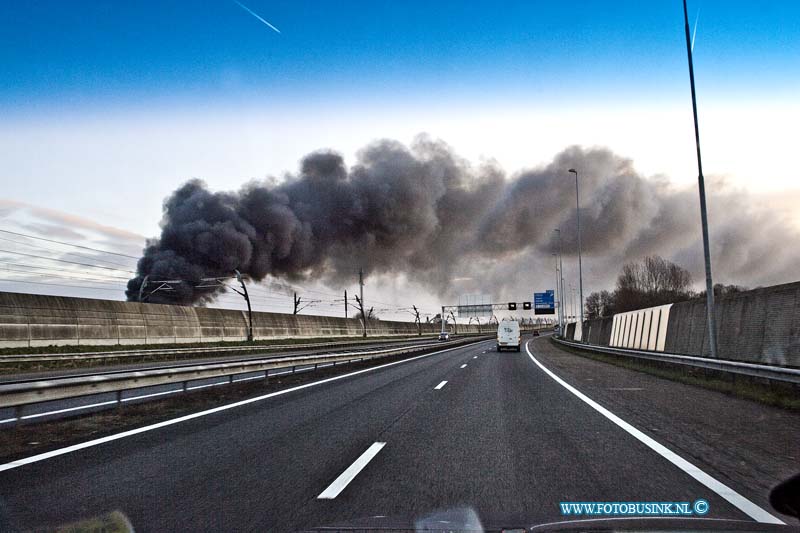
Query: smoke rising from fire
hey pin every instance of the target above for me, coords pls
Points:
(425, 213)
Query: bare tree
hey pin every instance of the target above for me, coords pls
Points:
(723, 291)
(455, 324)
(370, 314)
(599, 304)
(654, 281)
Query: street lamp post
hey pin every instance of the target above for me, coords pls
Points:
(574, 310)
(558, 291)
(561, 280)
(580, 267)
(712, 323)
(561, 276)
(571, 296)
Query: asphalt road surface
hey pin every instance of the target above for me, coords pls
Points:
(466, 428)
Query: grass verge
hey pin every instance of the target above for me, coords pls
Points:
(785, 395)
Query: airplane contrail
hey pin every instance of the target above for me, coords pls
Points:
(694, 32)
(256, 15)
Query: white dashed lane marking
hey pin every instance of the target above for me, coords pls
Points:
(352, 471)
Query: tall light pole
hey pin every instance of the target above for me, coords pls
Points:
(574, 310)
(560, 298)
(580, 267)
(558, 292)
(571, 296)
(712, 322)
(561, 277)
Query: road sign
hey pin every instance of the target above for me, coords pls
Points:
(474, 306)
(544, 303)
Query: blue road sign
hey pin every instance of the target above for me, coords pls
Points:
(544, 303)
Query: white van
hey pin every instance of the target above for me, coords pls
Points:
(508, 335)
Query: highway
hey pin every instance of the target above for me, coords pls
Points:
(96, 367)
(46, 396)
(465, 428)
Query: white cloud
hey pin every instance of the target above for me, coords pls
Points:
(115, 168)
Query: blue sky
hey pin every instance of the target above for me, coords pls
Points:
(109, 106)
(69, 55)
(154, 92)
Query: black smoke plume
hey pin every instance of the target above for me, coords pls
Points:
(425, 213)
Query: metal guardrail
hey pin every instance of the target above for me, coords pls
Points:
(148, 352)
(775, 373)
(17, 394)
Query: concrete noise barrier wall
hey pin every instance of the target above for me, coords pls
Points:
(36, 320)
(569, 332)
(758, 326)
(598, 331)
(762, 325)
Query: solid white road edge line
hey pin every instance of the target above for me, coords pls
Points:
(440, 385)
(352, 471)
(130, 433)
(736, 499)
(131, 398)
(67, 410)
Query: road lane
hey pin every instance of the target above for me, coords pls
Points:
(510, 443)
(740, 502)
(748, 445)
(501, 437)
(253, 467)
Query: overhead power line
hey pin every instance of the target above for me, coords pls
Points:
(62, 252)
(65, 261)
(60, 285)
(67, 270)
(268, 300)
(60, 276)
(67, 244)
